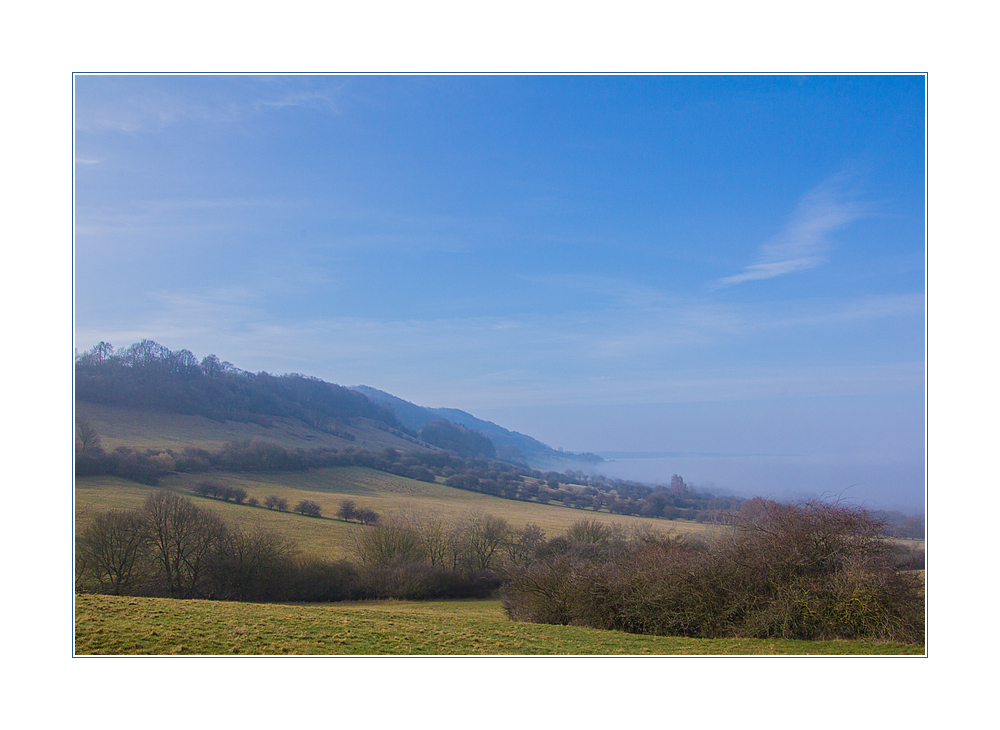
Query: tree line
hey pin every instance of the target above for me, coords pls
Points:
(807, 571)
(171, 547)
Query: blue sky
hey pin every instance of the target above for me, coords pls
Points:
(655, 263)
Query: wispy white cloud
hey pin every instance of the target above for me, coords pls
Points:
(804, 241)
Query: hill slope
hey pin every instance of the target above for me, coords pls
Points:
(528, 449)
(160, 430)
(149, 378)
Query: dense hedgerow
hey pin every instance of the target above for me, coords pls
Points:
(808, 571)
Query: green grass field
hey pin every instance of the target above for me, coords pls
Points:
(122, 625)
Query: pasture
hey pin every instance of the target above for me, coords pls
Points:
(161, 626)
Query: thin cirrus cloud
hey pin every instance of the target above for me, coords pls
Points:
(804, 241)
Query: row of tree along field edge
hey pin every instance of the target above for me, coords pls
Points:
(811, 571)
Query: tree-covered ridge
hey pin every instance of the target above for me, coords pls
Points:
(453, 437)
(148, 375)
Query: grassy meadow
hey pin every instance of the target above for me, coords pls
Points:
(160, 626)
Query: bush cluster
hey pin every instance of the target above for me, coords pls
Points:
(350, 512)
(808, 571)
(221, 491)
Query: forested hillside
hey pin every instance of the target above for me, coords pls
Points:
(148, 375)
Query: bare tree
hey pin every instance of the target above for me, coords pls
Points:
(309, 508)
(367, 516)
(183, 537)
(87, 440)
(434, 537)
(348, 510)
(522, 545)
(391, 540)
(483, 535)
(112, 548)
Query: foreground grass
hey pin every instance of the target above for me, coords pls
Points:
(157, 626)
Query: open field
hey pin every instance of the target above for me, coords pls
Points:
(122, 625)
(331, 538)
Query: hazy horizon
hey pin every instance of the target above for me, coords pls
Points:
(699, 264)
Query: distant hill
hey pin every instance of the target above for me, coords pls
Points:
(510, 445)
(146, 376)
(149, 376)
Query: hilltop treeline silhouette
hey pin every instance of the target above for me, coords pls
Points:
(148, 375)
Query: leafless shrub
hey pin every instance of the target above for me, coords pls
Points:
(521, 548)
(589, 531)
(808, 571)
(479, 539)
(250, 563)
(393, 539)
